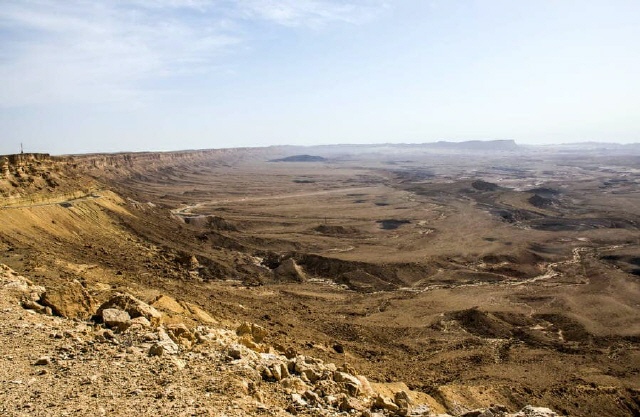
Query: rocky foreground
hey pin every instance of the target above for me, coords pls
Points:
(62, 354)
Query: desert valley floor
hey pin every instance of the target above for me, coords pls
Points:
(472, 275)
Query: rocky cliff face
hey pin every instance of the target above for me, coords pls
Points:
(132, 163)
(39, 177)
(143, 159)
(12, 166)
(36, 177)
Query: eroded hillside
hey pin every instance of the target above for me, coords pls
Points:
(472, 282)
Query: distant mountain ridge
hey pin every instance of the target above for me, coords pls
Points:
(598, 145)
(488, 145)
(500, 145)
(485, 145)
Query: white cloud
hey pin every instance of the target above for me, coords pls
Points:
(91, 51)
(77, 51)
(311, 13)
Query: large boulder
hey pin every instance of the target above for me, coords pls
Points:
(116, 319)
(387, 404)
(164, 346)
(199, 314)
(19, 287)
(402, 400)
(294, 384)
(133, 306)
(179, 311)
(181, 334)
(255, 332)
(350, 404)
(169, 304)
(70, 300)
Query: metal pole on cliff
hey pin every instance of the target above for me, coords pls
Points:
(21, 149)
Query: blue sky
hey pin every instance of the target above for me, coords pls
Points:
(115, 75)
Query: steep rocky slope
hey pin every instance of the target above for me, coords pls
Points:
(171, 358)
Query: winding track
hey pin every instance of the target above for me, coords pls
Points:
(186, 211)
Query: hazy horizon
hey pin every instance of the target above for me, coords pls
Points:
(586, 145)
(162, 75)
